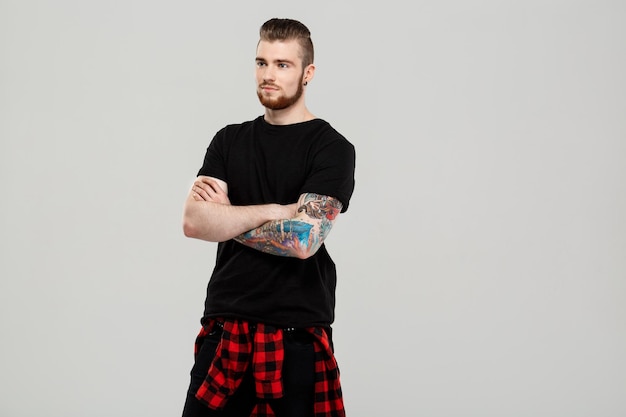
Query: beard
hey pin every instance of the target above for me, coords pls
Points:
(281, 102)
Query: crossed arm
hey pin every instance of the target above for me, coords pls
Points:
(294, 230)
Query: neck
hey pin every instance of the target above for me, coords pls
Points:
(288, 116)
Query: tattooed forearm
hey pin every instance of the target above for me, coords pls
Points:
(279, 237)
(298, 237)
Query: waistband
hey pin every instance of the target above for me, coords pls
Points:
(252, 326)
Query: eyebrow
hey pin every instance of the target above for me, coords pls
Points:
(277, 61)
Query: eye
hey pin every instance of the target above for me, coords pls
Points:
(260, 63)
(283, 65)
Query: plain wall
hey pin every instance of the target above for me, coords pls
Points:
(482, 262)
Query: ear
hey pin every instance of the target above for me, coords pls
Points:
(309, 73)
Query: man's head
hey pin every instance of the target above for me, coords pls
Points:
(284, 63)
(289, 30)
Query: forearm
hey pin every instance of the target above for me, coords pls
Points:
(215, 222)
(287, 237)
(300, 236)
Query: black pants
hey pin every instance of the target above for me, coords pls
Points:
(298, 381)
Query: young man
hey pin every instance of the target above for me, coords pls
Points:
(269, 191)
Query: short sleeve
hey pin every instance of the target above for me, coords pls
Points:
(214, 160)
(332, 171)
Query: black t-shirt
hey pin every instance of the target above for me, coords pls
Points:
(262, 164)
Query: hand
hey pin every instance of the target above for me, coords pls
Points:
(208, 189)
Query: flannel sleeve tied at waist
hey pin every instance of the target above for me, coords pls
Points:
(262, 348)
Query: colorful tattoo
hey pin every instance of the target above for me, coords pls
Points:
(323, 208)
(320, 206)
(279, 237)
(290, 237)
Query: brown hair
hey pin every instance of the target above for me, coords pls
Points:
(288, 29)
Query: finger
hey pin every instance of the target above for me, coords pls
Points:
(195, 195)
(201, 192)
(212, 182)
(208, 193)
(208, 187)
(213, 189)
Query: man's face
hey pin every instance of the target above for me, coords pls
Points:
(279, 74)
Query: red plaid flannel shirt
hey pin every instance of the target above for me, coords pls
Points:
(264, 349)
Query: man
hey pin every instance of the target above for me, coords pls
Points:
(269, 191)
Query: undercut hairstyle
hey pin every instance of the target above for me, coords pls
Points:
(286, 30)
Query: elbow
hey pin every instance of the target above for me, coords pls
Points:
(305, 252)
(193, 226)
(193, 229)
(189, 230)
(308, 248)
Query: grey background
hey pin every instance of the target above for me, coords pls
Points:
(482, 264)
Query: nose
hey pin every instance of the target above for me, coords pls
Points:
(267, 73)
